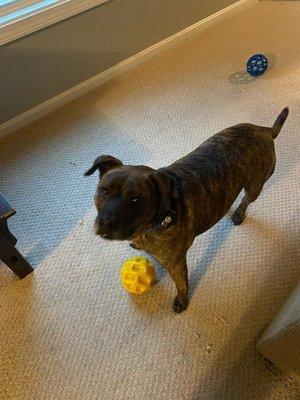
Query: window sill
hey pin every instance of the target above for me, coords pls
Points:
(46, 13)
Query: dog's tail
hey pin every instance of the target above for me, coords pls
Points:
(280, 120)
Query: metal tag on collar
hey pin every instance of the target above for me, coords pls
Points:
(167, 220)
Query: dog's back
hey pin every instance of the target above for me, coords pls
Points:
(241, 156)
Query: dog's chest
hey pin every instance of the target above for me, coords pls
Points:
(166, 244)
(160, 244)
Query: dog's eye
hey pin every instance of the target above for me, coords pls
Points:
(103, 191)
(135, 200)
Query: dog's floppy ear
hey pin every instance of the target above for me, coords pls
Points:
(164, 185)
(103, 164)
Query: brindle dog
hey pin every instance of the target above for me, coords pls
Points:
(161, 211)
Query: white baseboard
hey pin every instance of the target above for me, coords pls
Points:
(55, 102)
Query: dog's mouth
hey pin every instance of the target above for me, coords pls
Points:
(106, 236)
(126, 234)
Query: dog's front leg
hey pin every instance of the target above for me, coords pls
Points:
(178, 272)
(175, 264)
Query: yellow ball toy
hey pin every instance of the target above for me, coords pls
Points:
(137, 275)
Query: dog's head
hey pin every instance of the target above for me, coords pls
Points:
(129, 199)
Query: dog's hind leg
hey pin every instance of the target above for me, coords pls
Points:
(240, 213)
(251, 194)
(252, 191)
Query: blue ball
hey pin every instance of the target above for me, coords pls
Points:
(257, 65)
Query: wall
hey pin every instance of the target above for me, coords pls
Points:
(37, 67)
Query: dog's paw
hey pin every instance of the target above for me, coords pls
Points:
(180, 304)
(134, 246)
(237, 218)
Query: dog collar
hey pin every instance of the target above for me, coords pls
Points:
(164, 221)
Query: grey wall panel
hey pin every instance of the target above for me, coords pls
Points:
(37, 67)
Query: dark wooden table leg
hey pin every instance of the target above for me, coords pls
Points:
(12, 258)
(7, 232)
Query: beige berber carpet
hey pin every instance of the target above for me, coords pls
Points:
(69, 331)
